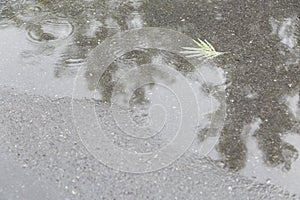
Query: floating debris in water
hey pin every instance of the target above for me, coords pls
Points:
(205, 50)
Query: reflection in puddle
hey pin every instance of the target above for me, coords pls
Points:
(256, 167)
(129, 87)
(255, 86)
(50, 29)
(286, 29)
(294, 104)
(29, 13)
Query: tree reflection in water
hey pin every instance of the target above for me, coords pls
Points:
(256, 64)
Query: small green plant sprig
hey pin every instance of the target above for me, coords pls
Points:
(204, 50)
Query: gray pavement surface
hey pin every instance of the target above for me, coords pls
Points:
(43, 157)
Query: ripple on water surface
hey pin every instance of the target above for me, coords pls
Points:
(50, 30)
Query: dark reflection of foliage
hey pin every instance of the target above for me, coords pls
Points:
(253, 65)
(137, 58)
(81, 14)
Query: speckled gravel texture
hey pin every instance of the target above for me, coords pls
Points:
(42, 156)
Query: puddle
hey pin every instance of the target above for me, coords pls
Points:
(51, 30)
(31, 68)
(136, 64)
(46, 44)
(258, 170)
